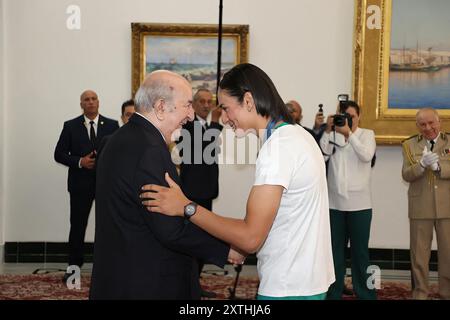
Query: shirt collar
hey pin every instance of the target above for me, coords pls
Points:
(87, 121)
(152, 125)
(202, 121)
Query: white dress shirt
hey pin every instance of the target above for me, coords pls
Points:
(87, 124)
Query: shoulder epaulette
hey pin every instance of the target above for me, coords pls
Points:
(416, 135)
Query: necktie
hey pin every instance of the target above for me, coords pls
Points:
(432, 145)
(92, 133)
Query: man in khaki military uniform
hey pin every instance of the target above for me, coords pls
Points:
(426, 166)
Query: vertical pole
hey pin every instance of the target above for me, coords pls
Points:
(219, 47)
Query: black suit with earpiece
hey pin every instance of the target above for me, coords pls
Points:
(73, 144)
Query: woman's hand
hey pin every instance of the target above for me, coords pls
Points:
(236, 257)
(345, 130)
(169, 201)
(329, 123)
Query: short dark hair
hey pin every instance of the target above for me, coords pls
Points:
(247, 77)
(344, 105)
(127, 104)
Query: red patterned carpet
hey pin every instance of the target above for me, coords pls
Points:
(50, 287)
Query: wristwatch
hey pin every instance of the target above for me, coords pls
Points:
(189, 210)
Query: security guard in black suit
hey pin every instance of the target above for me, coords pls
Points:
(76, 149)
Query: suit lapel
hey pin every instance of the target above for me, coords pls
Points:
(421, 145)
(100, 127)
(83, 131)
(442, 141)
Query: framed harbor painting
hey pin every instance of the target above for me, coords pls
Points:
(402, 65)
(188, 49)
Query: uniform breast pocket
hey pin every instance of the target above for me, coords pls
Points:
(417, 157)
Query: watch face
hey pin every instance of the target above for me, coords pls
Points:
(190, 210)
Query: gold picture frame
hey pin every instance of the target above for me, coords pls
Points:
(188, 49)
(371, 71)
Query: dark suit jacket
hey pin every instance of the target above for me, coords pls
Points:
(139, 254)
(74, 144)
(200, 180)
(311, 132)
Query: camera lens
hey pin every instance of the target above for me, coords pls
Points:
(339, 120)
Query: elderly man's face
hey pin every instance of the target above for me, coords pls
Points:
(89, 103)
(429, 124)
(181, 110)
(203, 103)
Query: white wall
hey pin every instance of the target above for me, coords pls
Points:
(2, 121)
(304, 45)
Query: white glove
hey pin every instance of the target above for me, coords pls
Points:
(429, 159)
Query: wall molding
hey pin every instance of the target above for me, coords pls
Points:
(50, 252)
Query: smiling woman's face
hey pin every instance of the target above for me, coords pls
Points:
(235, 114)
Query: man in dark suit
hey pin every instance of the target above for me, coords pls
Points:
(138, 255)
(199, 171)
(127, 110)
(76, 149)
(295, 109)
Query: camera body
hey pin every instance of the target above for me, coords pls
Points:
(339, 120)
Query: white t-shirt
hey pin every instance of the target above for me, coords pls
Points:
(296, 258)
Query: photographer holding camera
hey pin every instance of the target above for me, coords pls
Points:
(349, 151)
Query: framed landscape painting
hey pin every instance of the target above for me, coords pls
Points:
(402, 66)
(190, 50)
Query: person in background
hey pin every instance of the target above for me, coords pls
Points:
(349, 151)
(295, 109)
(200, 177)
(287, 220)
(77, 148)
(319, 124)
(127, 110)
(426, 166)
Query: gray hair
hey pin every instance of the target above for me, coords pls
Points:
(202, 89)
(419, 113)
(150, 92)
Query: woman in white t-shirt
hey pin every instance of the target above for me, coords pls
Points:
(287, 220)
(349, 152)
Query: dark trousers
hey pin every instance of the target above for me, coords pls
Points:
(353, 226)
(207, 204)
(80, 206)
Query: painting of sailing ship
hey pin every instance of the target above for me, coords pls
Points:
(419, 61)
(195, 58)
